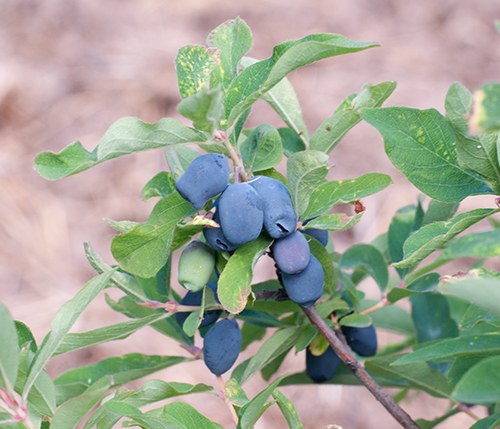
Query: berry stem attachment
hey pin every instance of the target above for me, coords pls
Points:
(238, 165)
(355, 367)
(231, 408)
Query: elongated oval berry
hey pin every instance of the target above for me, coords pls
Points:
(280, 218)
(291, 253)
(322, 368)
(221, 346)
(241, 215)
(194, 298)
(206, 177)
(306, 287)
(215, 237)
(363, 341)
(196, 264)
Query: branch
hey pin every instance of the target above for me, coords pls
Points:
(355, 367)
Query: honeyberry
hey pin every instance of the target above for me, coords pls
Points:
(196, 264)
(306, 287)
(240, 213)
(280, 218)
(194, 298)
(206, 177)
(319, 234)
(215, 237)
(291, 253)
(363, 341)
(221, 346)
(322, 368)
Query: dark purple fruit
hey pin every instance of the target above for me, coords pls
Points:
(319, 234)
(221, 346)
(291, 253)
(215, 237)
(306, 287)
(206, 177)
(194, 298)
(280, 218)
(240, 213)
(322, 368)
(363, 341)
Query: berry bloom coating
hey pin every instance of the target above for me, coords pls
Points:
(240, 213)
(214, 236)
(291, 253)
(306, 287)
(280, 218)
(221, 346)
(206, 177)
(363, 341)
(322, 368)
(196, 264)
(194, 298)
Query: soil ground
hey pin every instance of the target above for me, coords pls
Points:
(68, 70)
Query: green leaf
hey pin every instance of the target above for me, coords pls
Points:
(281, 340)
(356, 320)
(477, 153)
(61, 324)
(322, 255)
(9, 361)
(179, 158)
(145, 249)
(479, 245)
(331, 193)
(262, 149)
(369, 259)
(481, 384)
(486, 110)
(260, 77)
(125, 136)
(431, 317)
(123, 369)
(233, 39)
(250, 333)
(24, 335)
(305, 172)
(438, 211)
(334, 222)
(234, 282)
(490, 422)
(175, 415)
(421, 144)
(432, 237)
(283, 100)
(423, 284)
(204, 108)
(482, 291)
(390, 317)
(252, 411)
(291, 141)
(288, 410)
(418, 375)
(69, 414)
(429, 424)
(468, 345)
(234, 394)
(404, 222)
(194, 65)
(119, 331)
(331, 131)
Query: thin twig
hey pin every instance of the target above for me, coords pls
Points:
(355, 367)
(238, 165)
(231, 408)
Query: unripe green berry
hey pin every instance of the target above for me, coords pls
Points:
(196, 265)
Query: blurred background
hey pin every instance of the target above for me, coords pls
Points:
(69, 69)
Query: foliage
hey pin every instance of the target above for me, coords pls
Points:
(451, 346)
